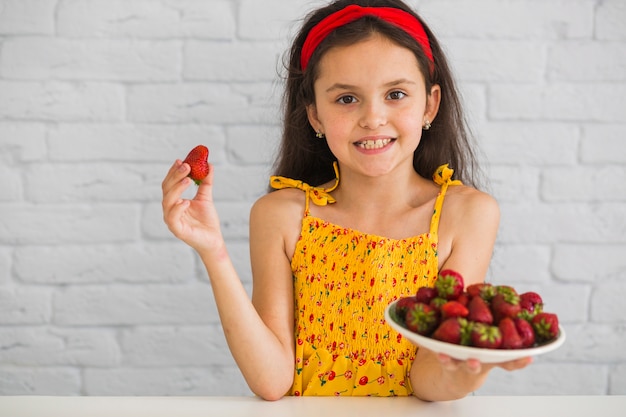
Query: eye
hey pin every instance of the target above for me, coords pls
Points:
(396, 95)
(346, 100)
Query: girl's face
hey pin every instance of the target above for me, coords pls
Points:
(371, 103)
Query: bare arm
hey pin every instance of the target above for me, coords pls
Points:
(258, 335)
(470, 222)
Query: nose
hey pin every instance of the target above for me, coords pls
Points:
(373, 115)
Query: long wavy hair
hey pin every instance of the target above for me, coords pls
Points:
(303, 156)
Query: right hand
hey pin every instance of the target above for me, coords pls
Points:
(195, 221)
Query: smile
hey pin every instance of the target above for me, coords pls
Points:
(373, 144)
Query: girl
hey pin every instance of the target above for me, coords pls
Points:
(371, 118)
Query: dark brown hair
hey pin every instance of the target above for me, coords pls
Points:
(304, 157)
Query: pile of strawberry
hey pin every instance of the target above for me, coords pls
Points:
(481, 315)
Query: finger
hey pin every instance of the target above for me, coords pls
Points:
(205, 189)
(172, 196)
(516, 364)
(177, 172)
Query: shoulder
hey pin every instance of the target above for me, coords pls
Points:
(468, 201)
(278, 213)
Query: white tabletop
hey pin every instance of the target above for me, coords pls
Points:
(553, 406)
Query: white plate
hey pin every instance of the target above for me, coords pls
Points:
(467, 352)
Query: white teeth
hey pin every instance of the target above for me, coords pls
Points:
(374, 144)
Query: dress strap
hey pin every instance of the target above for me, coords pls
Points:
(320, 196)
(443, 177)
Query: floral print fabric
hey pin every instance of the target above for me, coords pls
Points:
(343, 281)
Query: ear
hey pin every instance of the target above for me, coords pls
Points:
(433, 100)
(311, 112)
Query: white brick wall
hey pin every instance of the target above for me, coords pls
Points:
(98, 97)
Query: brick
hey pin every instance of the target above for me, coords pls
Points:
(548, 378)
(603, 144)
(40, 346)
(575, 223)
(241, 183)
(61, 101)
(39, 381)
(609, 22)
(205, 103)
(586, 61)
(194, 381)
(587, 183)
(6, 262)
(136, 143)
(175, 346)
(10, 184)
(54, 224)
(62, 183)
(234, 219)
(617, 383)
(540, 143)
(93, 59)
(27, 17)
(134, 305)
(213, 19)
(520, 263)
(89, 264)
(25, 305)
(212, 61)
(578, 102)
(152, 224)
(577, 263)
(22, 142)
(271, 19)
(252, 144)
(510, 19)
(591, 343)
(493, 61)
(510, 183)
(607, 303)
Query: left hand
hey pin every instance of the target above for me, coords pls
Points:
(475, 367)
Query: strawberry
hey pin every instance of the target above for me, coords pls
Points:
(510, 337)
(479, 311)
(463, 299)
(198, 161)
(526, 332)
(437, 302)
(449, 284)
(546, 326)
(531, 302)
(483, 290)
(486, 336)
(505, 303)
(404, 304)
(425, 294)
(453, 309)
(421, 319)
(453, 330)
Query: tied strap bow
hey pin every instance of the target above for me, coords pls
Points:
(318, 195)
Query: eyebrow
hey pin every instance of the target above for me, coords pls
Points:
(340, 86)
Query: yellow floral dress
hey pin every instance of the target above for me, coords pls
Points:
(343, 280)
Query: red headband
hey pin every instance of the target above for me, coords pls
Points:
(403, 20)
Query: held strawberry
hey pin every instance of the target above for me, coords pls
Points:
(546, 326)
(486, 336)
(479, 311)
(198, 161)
(453, 309)
(526, 332)
(505, 303)
(510, 336)
(421, 319)
(425, 294)
(449, 284)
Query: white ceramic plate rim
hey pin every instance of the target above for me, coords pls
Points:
(469, 352)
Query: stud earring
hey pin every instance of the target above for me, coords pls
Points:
(427, 124)
(319, 135)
